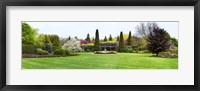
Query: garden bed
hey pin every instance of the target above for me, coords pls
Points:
(44, 56)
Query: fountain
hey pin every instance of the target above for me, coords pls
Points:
(105, 52)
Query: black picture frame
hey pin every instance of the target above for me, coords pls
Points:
(4, 3)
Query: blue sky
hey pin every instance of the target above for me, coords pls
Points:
(81, 29)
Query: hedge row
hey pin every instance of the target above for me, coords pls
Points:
(31, 49)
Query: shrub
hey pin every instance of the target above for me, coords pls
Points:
(55, 47)
(67, 52)
(121, 49)
(169, 54)
(88, 48)
(29, 49)
(125, 50)
(72, 46)
(48, 47)
(60, 52)
(41, 52)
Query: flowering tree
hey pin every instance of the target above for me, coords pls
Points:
(72, 46)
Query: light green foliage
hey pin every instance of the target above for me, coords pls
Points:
(28, 34)
(41, 52)
(47, 39)
(125, 36)
(40, 40)
(101, 61)
(55, 40)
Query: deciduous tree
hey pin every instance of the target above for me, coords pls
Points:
(158, 41)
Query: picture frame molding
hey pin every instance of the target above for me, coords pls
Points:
(4, 3)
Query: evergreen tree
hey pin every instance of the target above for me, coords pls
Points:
(105, 39)
(69, 38)
(158, 41)
(121, 47)
(88, 38)
(97, 42)
(110, 38)
(117, 38)
(76, 37)
(130, 40)
(121, 40)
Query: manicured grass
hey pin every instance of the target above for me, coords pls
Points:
(102, 61)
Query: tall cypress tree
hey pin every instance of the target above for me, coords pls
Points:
(88, 38)
(97, 42)
(110, 38)
(121, 40)
(105, 39)
(130, 40)
(121, 47)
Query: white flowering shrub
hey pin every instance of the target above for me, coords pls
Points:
(72, 46)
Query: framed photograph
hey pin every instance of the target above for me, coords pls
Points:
(137, 45)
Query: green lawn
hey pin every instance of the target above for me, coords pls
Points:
(102, 61)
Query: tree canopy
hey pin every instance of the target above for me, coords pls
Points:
(158, 41)
(28, 34)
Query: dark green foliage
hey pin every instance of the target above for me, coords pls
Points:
(174, 41)
(55, 48)
(117, 38)
(48, 48)
(88, 38)
(76, 37)
(28, 34)
(97, 42)
(67, 52)
(130, 39)
(59, 52)
(110, 38)
(69, 38)
(125, 50)
(29, 49)
(121, 41)
(93, 39)
(105, 39)
(158, 41)
(41, 52)
(88, 48)
(121, 47)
